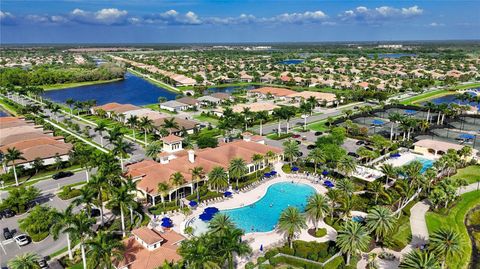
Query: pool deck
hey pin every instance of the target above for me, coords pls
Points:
(258, 239)
(406, 158)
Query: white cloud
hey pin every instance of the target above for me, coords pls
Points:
(308, 16)
(379, 14)
(173, 17)
(7, 18)
(436, 24)
(106, 16)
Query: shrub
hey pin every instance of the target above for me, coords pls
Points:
(249, 265)
(269, 254)
(321, 232)
(68, 193)
(386, 256)
(37, 224)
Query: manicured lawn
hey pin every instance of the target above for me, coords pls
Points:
(8, 107)
(454, 219)
(204, 118)
(426, 96)
(157, 108)
(470, 173)
(156, 82)
(318, 126)
(402, 235)
(76, 84)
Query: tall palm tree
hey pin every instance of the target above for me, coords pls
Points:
(380, 220)
(446, 243)
(316, 209)
(347, 165)
(99, 183)
(306, 110)
(197, 174)
(153, 149)
(418, 259)
(86, 198)
(257, 160)
(291, 222)
(80, 229)
(177, 180)
(63, 221)
(104, 251)
(197, 253)
(70, 103)
(394, 119)
(352, 239)
(346, 186)
(27, 260)
(132, 121)
(11, 156)
(121, 149)
(430, 106)
(389, 171)
(123, 200)
(163, 189)
(278, 114)
(246, 115)
(100, 128)
(146, 124)
(261, 116)
(291, 150)
(268, 156)
(218, 178)
(316, 156)
(237, 169)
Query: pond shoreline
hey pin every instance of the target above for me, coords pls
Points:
(77, 84)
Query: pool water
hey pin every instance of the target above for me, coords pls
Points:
(426, 163)
(263, 215)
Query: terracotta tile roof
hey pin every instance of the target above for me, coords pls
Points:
(255, 107)
(171, 139)
(274, 91)
(153, 173)
(117, 108)
(44, 148)
(187, 100)
(147, 235)
(318, 95)
(107, 107)
(138, 257)
(221, 95)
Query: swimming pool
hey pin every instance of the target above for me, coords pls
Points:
(263, 215)
(426, 163)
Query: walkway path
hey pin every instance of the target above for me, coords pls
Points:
(418, 226)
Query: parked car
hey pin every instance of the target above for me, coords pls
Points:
(95, 212)
(62, 174)
(7, 213)
(353, 154)
(296, 136)
(311, 146)
(22, 240)
(360, 142)
(7, 234)
(318, 133)
(42, 263)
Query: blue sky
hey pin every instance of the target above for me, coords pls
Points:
(168, 21)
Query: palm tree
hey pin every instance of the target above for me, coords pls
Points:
(306, 110)
(99, 183)
(291, 222)
(430, 106)
(100, 128)
(418, 259)
(197, 174)
(246, 114)
(11, 156)
(170, 124)
(316, 156)
(124, 200)
(104, 251)
(220, 224)
(132, 121)
(80, 229)
(87, 198)
(289, 112)
(232, 244)
(27, 260)
(278, 113)
(146, 124)
(389, 171)
(218, 178)
(268, 156)
(446, 243)
(163, 189)
(291, 150)
(261, 116)
(394, 119)
(352, 239)
(257, 160)
(121, 149)
(153, 149)
(347, 165)
(197, 253)
(63, 221)
(177, 180)
(381, 221)
(55, 109)
(237, 169)
(316, 209)
(70, 103)
(346, 186)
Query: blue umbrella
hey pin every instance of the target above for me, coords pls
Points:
(205, 216)
(378, 122)
(166, 219)
(266, 175)
(227, 194)
(192, 203)
(466, 136)
(273, 172)
(395, 155)
(325, 172)
(294, 168)
(210, 210)
(167, 224)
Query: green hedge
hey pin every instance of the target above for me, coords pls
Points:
(68, 193)
(321, 232)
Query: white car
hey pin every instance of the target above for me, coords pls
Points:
(22, 239)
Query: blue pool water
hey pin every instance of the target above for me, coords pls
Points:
(291, 61)
(132, 90)
(426, 163)
(263, 215)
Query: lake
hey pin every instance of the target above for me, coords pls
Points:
(452, 98)
(392, 55)
(3, 113)
(292, 61)
(229, 89)
(132, 90)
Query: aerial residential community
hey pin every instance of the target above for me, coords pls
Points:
(158, 135)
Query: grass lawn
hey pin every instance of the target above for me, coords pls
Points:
(76, 84)
(402, 235)
(7, 107)
(454, 218)
(470, 173)
(426, 96)
(155, 82)
(157, 108)
(318, 126)
(208, 119)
